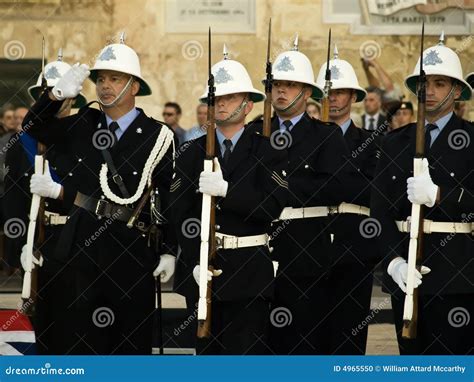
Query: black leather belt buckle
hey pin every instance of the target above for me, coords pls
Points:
(101, 208)
(117, 179)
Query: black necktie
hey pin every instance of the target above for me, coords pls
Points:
(227, 151)
(113, 128)
(371, 123)
(428, 129)
(286, 125)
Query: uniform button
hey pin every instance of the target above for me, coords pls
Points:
(135, 173)
(70, 174)
(46, 204)
(452, 174)
(306, 166)
(394, 177)
(284, 173)
(26, 174)
(99, 125)
(102, 196)
(79, 159)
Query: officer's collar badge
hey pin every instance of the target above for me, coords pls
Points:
(107, 54)
(432, 58)
(285, 65)
(223, 76)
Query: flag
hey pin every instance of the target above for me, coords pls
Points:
(17, 336)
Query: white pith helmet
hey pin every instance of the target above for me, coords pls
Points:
(343, 76)
(231, 77)
(121, 58)
(53, 73)
(293, 65)
(443, 61)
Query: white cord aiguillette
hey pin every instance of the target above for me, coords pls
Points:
(163, 142)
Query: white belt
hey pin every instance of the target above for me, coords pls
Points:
(52, 218)
(289, 213)
(233, 242)
(429, 226)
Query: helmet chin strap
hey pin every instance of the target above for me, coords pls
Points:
(119, 97)
(233, 116)
(336, 110)
(443, 102)
(291, 105)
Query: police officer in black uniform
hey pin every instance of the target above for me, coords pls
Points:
(354, 248)
(120, 152)
(445, 187)
(250, 189)
(300, 239)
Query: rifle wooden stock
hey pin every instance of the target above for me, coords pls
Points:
(415, 252)
(325, 109)
(30, 280)
(208, 216)
(204, 325)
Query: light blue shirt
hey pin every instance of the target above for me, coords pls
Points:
(194, 132)
(234, 139)
(441, 123)
(124, 122)
(293, 120)
(345, 126)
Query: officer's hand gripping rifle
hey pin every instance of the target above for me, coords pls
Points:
(415, 249)
(208, 217)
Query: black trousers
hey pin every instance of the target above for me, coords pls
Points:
(111, 305)
(445, 325)
(238, 328)
(349, 293)
(298, 311)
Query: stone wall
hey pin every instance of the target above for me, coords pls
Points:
(175, 65)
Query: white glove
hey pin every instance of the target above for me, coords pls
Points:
(398, 269)
(70, 85)
(210, 275)
(165, 268)
(421, 189)
(212, 182)
(43, 185)
(35, 260)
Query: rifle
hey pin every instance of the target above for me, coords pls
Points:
(208, 217)
(415, 249)
(30, 279)
(327, 86)
(267, 106)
